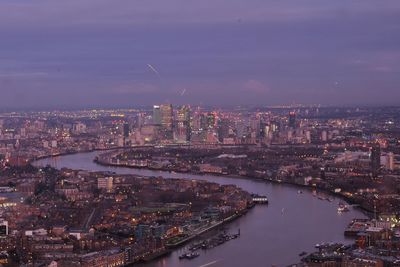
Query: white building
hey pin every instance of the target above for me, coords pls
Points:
(105, 183)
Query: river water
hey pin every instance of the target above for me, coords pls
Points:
(271, 234)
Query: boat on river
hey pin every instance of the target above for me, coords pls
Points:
(189, 255)
(342, 208)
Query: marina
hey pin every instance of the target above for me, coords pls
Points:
(209, 243)
(189, 255)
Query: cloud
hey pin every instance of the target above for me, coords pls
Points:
(50, 13)
(379, 62)
(214, 48)
(134, 88)
(255, 86)
(383, 69)
(22, 74)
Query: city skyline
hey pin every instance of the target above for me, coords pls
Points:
(190, 133)
(105, 54)
(172, 185)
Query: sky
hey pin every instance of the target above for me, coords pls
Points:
(127, 53)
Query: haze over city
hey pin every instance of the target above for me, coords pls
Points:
(209, 133)
(102, 53)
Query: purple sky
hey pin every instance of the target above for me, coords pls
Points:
(81, 53)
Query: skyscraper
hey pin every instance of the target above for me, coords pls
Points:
(292, 119)
(211, 120)
(183, 124)
(166, 116)
(375, 159)
(156, 115)
(223, 129)
(126, 130)
(166, 120)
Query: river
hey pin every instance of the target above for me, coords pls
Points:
(271, 234)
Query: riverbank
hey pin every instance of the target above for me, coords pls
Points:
(171, 247)
(303, 213)
(368, 212)
(82, 151)
(207, 229)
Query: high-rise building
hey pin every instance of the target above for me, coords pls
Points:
(167, 118)
(324, 136)
(255, 125)
(203, 122)
(275, 126)
(390, 161)
(3, 228)
(292, 119)
(183, 114)
(308, 136)
(140, 120)
(223, 129)
(375, 159)
(211, 120)
(196, 122)
(126, 130)
(182, 133)
(156, 115)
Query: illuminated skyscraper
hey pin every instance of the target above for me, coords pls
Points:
(166, 116)
(166, 120)
(211, 120)
(183, 124)
(183, 114)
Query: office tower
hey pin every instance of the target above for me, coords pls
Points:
(195, 123)
(183, 114)
(166, 120)
(183, 124)
(126, 130)
(390, 161)
(211, 120)
(292, 119)
(375, 159)
(156, 115)
(223, 129)
(203, 122)
(275, 126)
(255, 125)
(140, 120)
